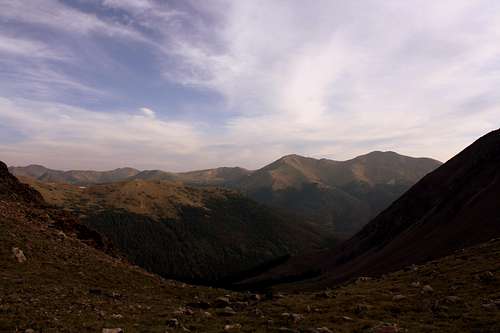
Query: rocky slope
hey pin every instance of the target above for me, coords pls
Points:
(451, 208)
(205, 235)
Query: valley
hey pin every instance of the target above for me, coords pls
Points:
(66, 253)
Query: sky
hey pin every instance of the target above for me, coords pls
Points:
(183, 84)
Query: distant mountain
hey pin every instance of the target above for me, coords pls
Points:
(453, 207)
(341, 196)
(77, 177)
(33, 170)
(192, 234)
(223, 176)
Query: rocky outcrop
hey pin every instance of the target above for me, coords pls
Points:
(12, 190)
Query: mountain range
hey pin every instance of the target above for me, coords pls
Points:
(339, 196)
(451, 208)
(56, 274)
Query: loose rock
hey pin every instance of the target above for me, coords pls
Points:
(232, 327)
(173, 323)
(452, 299)
(296, 317)
(112, 330)
(323, 330)
(398, 297)
(427, 288)
(227, 311)
(387, 328)
(18, 254)
(222, 302)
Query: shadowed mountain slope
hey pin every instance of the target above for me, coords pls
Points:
(451, 208)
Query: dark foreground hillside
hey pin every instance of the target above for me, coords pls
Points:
(66, 286)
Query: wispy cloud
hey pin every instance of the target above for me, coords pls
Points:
(330, 79)
(54, 14)
(73, 137)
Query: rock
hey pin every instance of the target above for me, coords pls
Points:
(415, 284)
(227, 311)
(286, 329)
(207, 314)
(255, 297)
(222, 302)
(487, 277)
(386, 328)
(427, 288)
(323, 330)
(232, 327)
(183, 312)
(489, 306)
(346, 318)
(452, 299)
(29, 330)
(112, 330)
(398, 297)
(363, 279)
(116, 316)
(18, 254)
(173, 323)
(296, 317)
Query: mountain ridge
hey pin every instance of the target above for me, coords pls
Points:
(340, 195)
(37, 170)
(453, 207)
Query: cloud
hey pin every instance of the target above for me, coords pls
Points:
(72, 137)
(331, 79)
(148, 112)
(53, 14)
(340, 78)
(19, 47)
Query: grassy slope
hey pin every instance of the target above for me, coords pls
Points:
(198, 235)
